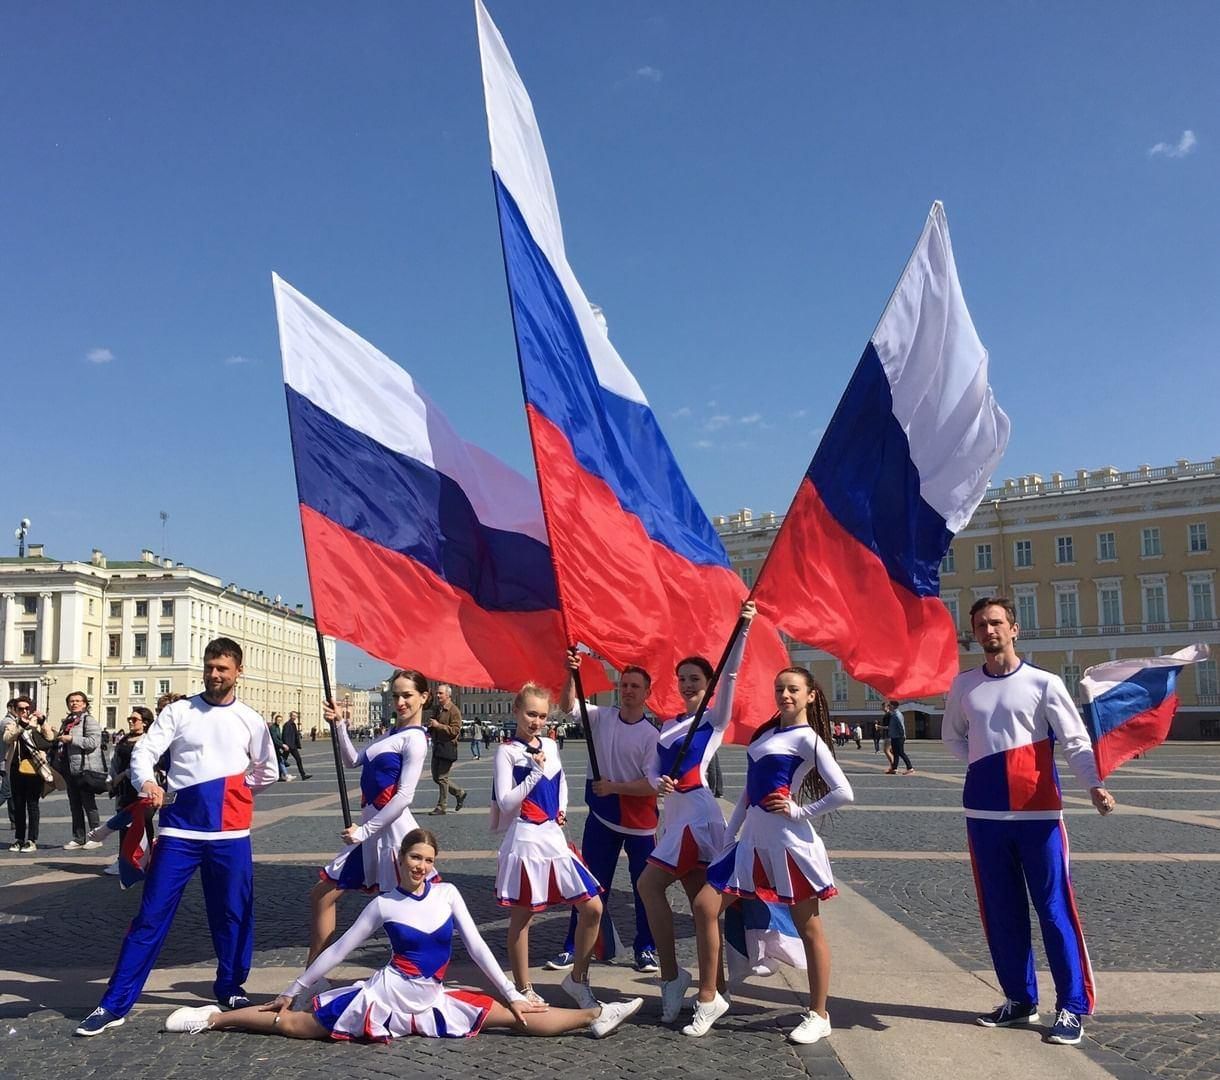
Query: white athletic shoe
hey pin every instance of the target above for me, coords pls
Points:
(89, 845)
(112, 869)
(191, 1021)
(612, 1015)
(706, 1014)
(673, 995)
(813, 1026)
(579, 992)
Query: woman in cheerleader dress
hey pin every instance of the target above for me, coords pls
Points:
(692, 825)
(537, 867)
(779, 856)
(389, 770)
(408, 995)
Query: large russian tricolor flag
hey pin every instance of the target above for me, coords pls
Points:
(906, 458)
(642, 574)
(422, 549)
(1129, 704)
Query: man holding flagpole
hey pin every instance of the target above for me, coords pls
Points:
(1004, 719)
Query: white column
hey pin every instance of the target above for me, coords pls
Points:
(72, 607)
(182, 630)
(46, 638)
(9, 653)
(125, 642)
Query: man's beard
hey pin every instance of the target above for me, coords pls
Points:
(991, 649)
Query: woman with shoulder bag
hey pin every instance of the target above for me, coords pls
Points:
(27, 735)
(83, 768)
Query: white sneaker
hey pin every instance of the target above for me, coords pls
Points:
(813, 1026)
(73, 845)
(612, 1015)
(532, 997)
(90, 844)
(112, 869)
(706, 1014)
(579, 992)
(673, 994)
(191, 1021)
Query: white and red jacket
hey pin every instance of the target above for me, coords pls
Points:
(1005, 727)
(211, 751)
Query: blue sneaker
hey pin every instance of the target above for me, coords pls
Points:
(98, 1021)
(1010, 1014)
(646, 961)
(560, 962)
(236, 1001)
(1067, 1029)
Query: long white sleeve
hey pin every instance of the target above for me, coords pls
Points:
(367, 923)
(408, 779)
(720, 712)
(153, 743)
(954, 726)
(349, 753)
(266, 769)
(563, 792)
(1060, 711)
(737, 817)
(840, 793)
(479, 952)
(510, 796)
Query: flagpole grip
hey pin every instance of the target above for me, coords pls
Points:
(344, 804)
(676, 770)
(594, 772)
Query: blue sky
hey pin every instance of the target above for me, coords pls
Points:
(740, 185)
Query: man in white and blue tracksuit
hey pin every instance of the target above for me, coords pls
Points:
(1003, 719)
(220, 753)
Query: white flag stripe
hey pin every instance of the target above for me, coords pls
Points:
(1100, 678)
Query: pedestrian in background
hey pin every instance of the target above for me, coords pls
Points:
(445, 729)
(83, 768)
(898, 738)
(476, 740)
(27, 737)
(292, 743)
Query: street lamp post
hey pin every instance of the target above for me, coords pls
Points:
(46, 682)
(21, 532)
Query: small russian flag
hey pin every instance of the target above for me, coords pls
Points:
(133, 854)
(1129, 704)
(757, 933)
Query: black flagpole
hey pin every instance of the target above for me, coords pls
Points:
(594, 771)
(328, 698)
(676, 770)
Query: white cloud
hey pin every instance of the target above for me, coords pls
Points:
(677, 414)
(753, 418)
(239, 360)
(99, 356)
(648, 74)
(703, 444)
(799, 413)
(715, 423)
(1184, 146)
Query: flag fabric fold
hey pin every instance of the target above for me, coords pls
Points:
(904, 462)
(643, 577)
(134, 855)
(756, 934)
(1129, 704)
(422, 549)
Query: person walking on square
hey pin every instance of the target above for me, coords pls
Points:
(476, 741)
(390, 768)
(536, 867)
(292, 743)
(897, 730)
(622, 807)
(79, 751)
(1003, 719)
(408, 996)
(779, 856)
(277, 740)
(692, 830)
(220, 754)
(28, 735)
(445, 729)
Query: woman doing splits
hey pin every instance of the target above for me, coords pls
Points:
(779, 856)
(537, 868)
(692, 829)
(408, 995)
(390, 769)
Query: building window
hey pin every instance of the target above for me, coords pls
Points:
(1202, 602)
(1209, 684)
(950, 602)
(1067, 607)
(1150, 542)
(116, 609)
(1064, 552)
(1110, 605)
(112, 715)
(167, 609)
(27, 642)
(141, 645)
(1023, 553)
(982, 557)
(839, 686)
(870, 694)
(1027, 610)
(948, 565)
(137, 688)
(747, 575)
(29, 604)
(112, 646)
(1107, 547)
(1156, 609)
(91, 605)
(1198, 537)
(141, 609)
(89, 686)
(167, 646)
(112, 687)
(162, 687)
(89, 643)
(1071, 679)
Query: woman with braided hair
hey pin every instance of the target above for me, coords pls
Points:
(779, 856)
